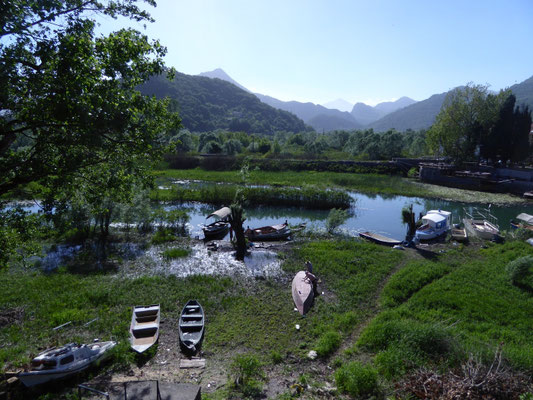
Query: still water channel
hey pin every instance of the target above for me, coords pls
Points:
(376, 213)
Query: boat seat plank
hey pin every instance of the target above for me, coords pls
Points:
(192, 316)
(145, 326)
(190, 326)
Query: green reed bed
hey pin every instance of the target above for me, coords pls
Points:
(365, 183)
(307, 196)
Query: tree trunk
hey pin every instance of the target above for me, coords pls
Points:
(236, 222)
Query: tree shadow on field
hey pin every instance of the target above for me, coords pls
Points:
(427, 254)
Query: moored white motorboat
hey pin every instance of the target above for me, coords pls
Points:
(482, 224)
(434, 224)
(60, 362)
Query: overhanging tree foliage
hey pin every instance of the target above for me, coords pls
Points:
(68, 98)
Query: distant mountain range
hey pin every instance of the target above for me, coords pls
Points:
(402, 114)
(220, 74)
(206, 104)
(421, 115)
(315, 115)
(214, 100)
(324, 118)
(339, 104)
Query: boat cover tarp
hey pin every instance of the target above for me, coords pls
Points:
(222, 213)
(528, 219)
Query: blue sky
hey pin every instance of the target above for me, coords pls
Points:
(368, 51)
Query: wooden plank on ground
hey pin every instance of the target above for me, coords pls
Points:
(192, 363)
(179, 391)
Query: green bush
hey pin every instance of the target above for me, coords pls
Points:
(176, 252)
(335, 219)
(357, 380)
(246, 372)
(412, 173)
(163, 236)
(276, 357)
(328, 343)
(393, 362)
(520, 271)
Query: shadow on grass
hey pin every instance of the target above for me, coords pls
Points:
(142, 358)
(427, 254)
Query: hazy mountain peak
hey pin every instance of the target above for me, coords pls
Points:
(391, 106)
(221, 74)
(339, 104)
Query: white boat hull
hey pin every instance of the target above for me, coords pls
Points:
(482, 229)
(33, 378)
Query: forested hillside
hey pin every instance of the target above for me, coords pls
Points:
(206, 104)
(524, 93)
(420, 115)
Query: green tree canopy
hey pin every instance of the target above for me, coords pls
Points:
(466, 117)
(508, 138)
(68, 98)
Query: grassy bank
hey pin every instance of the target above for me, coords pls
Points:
(461, 303)
(382, 310)
(365, 183)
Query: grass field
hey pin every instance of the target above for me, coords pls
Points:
(384, 313)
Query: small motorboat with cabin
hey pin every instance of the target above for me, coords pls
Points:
(271, 232)
(434, 224)
(191, 327)
(144, 327)
(218, 229)
(482, 224)
(64, 361)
